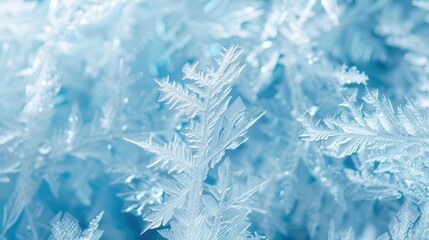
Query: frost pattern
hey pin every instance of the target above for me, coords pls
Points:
(65, 227)
(410, 222)
(213, 127)
(392, 145)
(389, 133)
(76, 78)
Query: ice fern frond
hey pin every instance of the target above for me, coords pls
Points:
(176, 191)
(172, 156)
(225, 198)
(214, 126)
(411, 222)
(403, 221)
(421, 229)
(179, 97)
(382, 129)
(66, 227)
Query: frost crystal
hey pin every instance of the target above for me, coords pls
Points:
(341, 144)
(391, 134)
(65, 227)
(213, 127)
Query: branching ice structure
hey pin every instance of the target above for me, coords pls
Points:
(337, 150)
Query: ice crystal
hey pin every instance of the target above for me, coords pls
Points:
(342, 134)
(214, 125)
(65, 227)
(389, 133)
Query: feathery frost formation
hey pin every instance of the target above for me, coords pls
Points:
(214, 126)
(313, 124)
(65, 227)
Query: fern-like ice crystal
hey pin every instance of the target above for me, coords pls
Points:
(391, 134)
(214, 125)
(66, 227)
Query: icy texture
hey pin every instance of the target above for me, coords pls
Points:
(214, 119)
(214, 126)
(65, 227)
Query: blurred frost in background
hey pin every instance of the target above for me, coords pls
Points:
(315, 127)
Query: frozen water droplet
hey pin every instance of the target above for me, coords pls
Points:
(124, 127)
(109, 147)
(125, 100)
(40, 109)
(45, 147)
